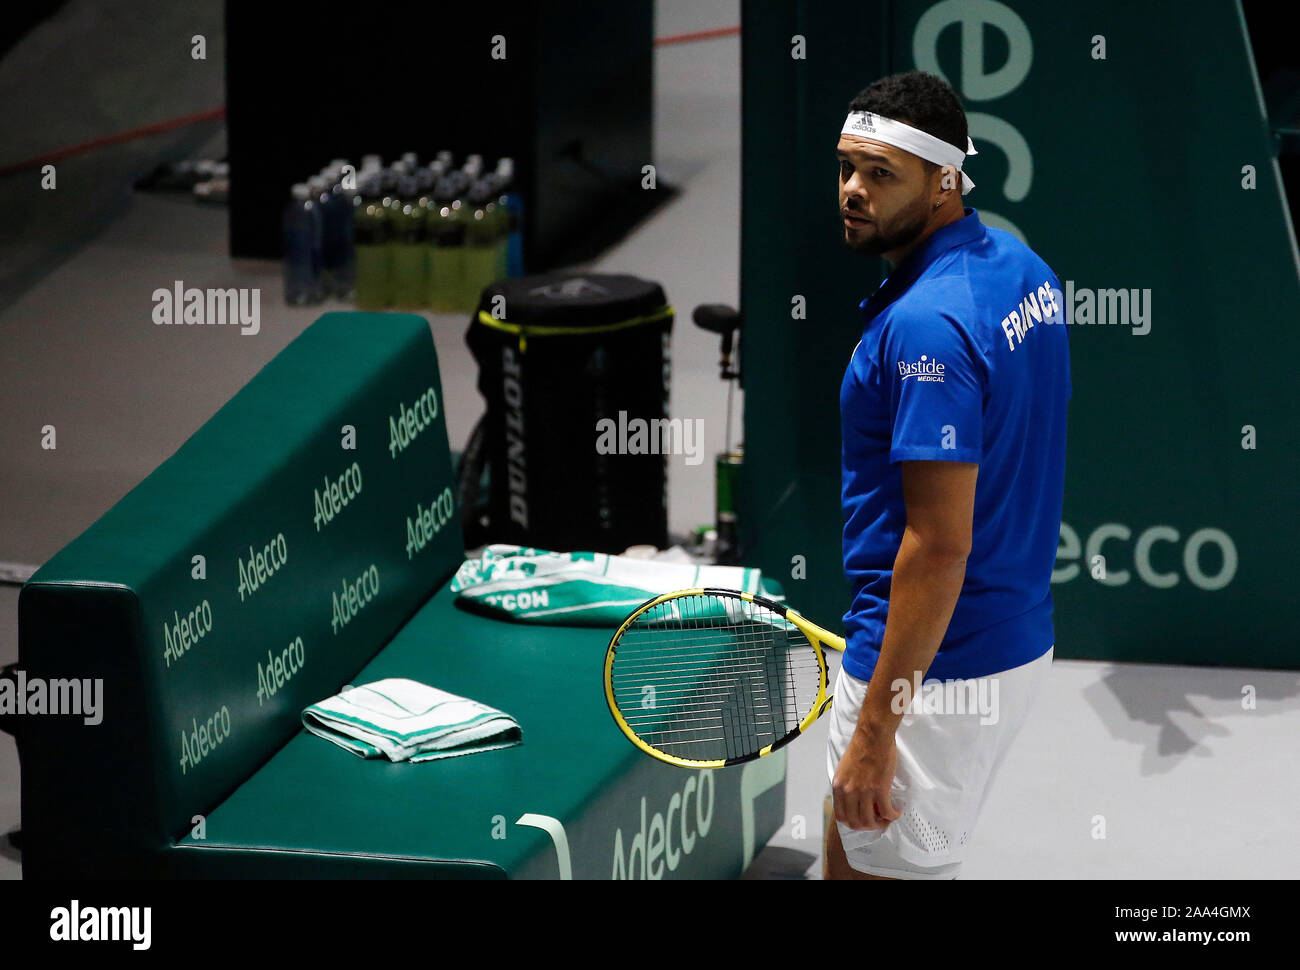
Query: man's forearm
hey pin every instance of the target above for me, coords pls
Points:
(922, 595)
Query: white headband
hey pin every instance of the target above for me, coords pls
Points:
(864, 124)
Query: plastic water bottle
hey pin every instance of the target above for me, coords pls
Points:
(410, 250)
(346, 194)
(302, 247)
(336, 240)
(446, 237)
(514, 206)
(371, 233)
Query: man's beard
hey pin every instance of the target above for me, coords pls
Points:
(905, 228)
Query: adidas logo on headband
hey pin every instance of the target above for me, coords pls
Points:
(862, 121)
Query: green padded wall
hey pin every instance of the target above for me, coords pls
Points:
(790, 501)
(1125, 173)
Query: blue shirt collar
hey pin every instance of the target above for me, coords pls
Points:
(965, 230)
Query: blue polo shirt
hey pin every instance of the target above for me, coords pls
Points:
(964, 357)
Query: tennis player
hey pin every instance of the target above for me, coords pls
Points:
(953, 414)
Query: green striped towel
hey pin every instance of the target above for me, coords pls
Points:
(580, 588)
(404, 720)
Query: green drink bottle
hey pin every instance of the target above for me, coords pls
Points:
(481, 232)
(371, 233)
(410, 273)
(446, 250)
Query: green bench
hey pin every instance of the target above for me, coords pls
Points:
(302, 540)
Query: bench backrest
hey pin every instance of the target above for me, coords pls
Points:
(253, 573)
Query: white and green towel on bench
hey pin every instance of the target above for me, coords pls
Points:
(404, 720)
(581, 588)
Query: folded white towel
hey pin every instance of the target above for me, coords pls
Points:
(404, 720)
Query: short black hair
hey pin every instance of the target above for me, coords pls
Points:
(920, 100)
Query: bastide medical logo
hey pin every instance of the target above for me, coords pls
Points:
(926, 370)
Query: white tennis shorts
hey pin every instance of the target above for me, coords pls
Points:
(951, 743)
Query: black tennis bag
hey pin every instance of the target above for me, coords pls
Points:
(572, 365)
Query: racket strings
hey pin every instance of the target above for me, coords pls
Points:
(709, 677)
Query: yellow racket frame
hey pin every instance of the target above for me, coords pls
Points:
(816, 636)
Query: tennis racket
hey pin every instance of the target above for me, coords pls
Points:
(705, 678)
